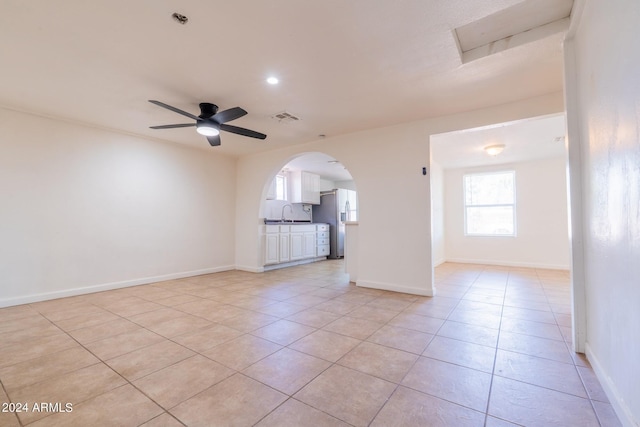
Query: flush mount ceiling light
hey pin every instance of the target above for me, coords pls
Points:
(272, 80)
(494, 150)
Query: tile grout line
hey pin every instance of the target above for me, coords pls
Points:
(495, 354)
(10, 401)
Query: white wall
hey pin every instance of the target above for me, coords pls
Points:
(437, 213)
(87, 209)
(604, 102)
(393, 195)
(347, 185)
(326, 185)
(542, 238)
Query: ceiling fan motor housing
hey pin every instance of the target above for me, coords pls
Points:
(207, 110)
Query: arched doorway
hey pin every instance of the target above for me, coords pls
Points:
(311, 193)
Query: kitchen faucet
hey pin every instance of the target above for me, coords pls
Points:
(290, 209)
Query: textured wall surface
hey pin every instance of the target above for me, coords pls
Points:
(608, 105)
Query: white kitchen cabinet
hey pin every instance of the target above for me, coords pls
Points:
(284, 250)
(297, 242)
(309, 244)
(305, 187)
(322, 240)
(272, 248)
(324, 250)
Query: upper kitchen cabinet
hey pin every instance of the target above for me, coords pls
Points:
(305, 187)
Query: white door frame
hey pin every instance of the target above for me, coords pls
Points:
(573, 146)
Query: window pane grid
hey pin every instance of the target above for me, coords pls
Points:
(490, 204)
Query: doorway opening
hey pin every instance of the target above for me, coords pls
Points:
(499, 198)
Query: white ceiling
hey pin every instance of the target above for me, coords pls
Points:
(344, 66)
(524, 140)
(326, 166)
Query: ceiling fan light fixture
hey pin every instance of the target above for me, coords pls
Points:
(207, 129)
(210, 121)
(494, 150)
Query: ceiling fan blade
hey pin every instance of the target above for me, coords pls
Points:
(183, 125)
(228, 115)
(243, 131)
(174, 109)
(214, 140)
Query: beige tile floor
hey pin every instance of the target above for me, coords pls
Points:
(304, 347)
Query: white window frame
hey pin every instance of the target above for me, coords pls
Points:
(466, 206)
(283, 178)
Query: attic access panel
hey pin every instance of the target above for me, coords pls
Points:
(522, 23)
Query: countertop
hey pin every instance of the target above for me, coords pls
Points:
(279, 221)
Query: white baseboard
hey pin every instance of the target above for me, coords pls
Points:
(395, 288)
(44, 296)
(509, 263)
(622, 411)
(293, 263)
(439, 261)
(250, 269)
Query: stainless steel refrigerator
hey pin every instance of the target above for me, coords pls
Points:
(336, 206)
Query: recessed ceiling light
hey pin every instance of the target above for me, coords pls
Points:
(272, 80)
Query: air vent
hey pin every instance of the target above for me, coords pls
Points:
(285, 117)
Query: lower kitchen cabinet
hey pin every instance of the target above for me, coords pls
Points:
(272, 248)
(324, 250)
(284, 250)
(309, 244)
(296, 242)
(287, 243)
(322, 240)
